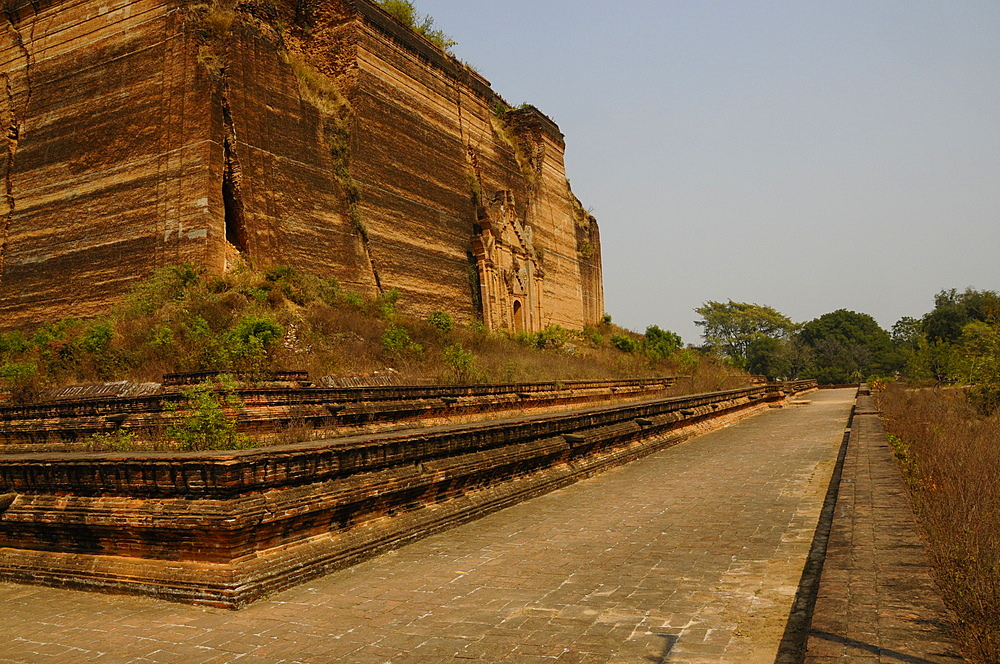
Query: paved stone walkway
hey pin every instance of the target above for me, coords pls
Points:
(877, 601)
(691, 555)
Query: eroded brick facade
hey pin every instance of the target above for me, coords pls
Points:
(143, 133)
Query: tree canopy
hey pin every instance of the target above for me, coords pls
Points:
(730, 328)
(957, 342)
(953, 311)
(846, 347)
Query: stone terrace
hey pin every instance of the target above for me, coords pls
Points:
(691, 555)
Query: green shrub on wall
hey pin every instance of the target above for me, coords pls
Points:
(204, 424)
(422, 24)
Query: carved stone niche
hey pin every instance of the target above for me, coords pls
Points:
(510, 276)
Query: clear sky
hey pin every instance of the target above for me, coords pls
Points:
(807, 155)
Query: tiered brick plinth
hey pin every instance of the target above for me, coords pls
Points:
(224, 528)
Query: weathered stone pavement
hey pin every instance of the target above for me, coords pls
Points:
(877, 600)
(691, 555)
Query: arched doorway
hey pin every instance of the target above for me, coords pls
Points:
(518, 316)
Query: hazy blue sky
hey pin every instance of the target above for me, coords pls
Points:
(805, 155)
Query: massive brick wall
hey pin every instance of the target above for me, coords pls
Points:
(106, 170)
(140, 134)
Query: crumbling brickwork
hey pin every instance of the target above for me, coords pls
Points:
(144, 133)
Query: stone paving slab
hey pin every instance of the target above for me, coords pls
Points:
(877, 601)
(690, 555)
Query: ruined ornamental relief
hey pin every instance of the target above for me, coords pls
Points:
(510, 277)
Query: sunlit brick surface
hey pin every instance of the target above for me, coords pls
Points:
(691, 555)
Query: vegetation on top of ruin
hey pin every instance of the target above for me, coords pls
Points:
(254, 321)
(504, 130)
(423, 24)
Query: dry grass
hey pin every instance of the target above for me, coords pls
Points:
(318, 89)
(503, 131)
(249, 320)
(219, 20)
(951, 458)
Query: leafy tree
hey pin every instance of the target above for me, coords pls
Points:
(661, 343)
(835, 362)
(953, 311)
(730, 328)
(933, 361)
(978, 364)
(771, 357)
(907, 333)
(847, 347)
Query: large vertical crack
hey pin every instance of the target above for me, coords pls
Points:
(12, 137)
(323, 93)
(13, 119)
(232, 175)
(353, 196)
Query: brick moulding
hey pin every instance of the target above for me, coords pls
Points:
(227, 528)
(65, 426)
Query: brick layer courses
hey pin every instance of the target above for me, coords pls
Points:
(224, 528)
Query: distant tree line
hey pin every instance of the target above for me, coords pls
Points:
(957, 342)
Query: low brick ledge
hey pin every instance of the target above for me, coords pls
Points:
(67, 424)
(222, 474)
(227, 528)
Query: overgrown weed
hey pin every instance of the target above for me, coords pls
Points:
(252, 322)
(949, 455)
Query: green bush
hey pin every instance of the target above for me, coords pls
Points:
(625, 343)
(385, 304)
(257, 331)
(122, 439)
(461, 362)
(98, 338)
(553, 337)
(161, 336)
(247, 345)
(168, 284)
(21, 379)
(396, 341)
(688, 360)
(441, 321)
(593, 336)
(205, 424)
(661, 344)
